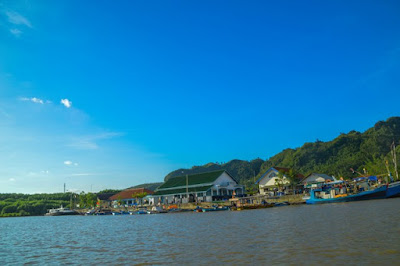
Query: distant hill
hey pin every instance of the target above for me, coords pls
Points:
(241, 170)
(149, 186)
(356, 150)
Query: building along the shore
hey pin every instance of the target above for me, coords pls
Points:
(316, 178)
(204, 187)
(131, 197)
(269, 182)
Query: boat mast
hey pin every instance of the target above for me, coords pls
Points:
(395, 160)
(389, 174)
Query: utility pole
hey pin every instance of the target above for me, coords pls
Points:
(64, 187)
(187, 187)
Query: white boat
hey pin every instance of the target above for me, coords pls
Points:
(61, 211)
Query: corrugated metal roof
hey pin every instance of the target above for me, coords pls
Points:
(182, 190)
(196, 179)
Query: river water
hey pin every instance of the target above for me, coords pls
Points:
(355, 233)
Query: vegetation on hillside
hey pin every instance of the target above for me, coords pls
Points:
(368, 150)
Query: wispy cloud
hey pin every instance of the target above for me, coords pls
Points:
(67, 103)
(90, 142)
(11, 179)
(86, 174)
(18, 19)
(34, 100)
(16, 32)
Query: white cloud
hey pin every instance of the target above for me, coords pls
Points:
(11, 179)
(67, 103)
(37, 100)
(18, 19)
(16, 32)
(70, 163)
(33, 99)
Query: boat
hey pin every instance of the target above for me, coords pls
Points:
(61, 211)
(328, 193)
(90, 212)
(393, 190)
(213, 209)
(120, 213)
(156, 210)
(280, 204)
(140, 211)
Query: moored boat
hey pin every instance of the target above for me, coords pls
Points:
(225, 208)
(328, 196)
(61, 211)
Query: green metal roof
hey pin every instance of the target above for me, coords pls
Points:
(196, 179)
(182, 190)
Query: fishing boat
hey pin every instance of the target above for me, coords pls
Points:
(330, 193)
(61, 211)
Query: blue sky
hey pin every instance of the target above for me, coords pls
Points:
(110, 94)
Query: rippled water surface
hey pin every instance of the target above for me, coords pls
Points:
(353, 233)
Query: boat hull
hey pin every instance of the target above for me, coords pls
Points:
(214, 209)
(378, 193)
(393, 190)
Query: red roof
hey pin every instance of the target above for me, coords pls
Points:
(128, 193)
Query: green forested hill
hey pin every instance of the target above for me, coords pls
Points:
(241, 170)
(356, 150)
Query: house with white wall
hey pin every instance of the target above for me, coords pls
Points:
(269, 182)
